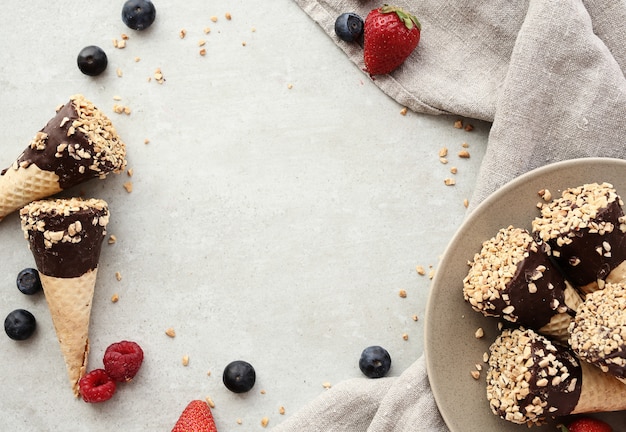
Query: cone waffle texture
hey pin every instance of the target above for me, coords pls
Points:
(558, 327)
(600, 392)
(69, 301)
(21, 186)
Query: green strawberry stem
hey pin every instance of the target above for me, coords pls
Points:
(408, 19)
(562, 428)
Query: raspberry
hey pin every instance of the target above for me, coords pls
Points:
(96, 386)
(122, 360)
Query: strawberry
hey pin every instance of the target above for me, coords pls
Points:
(196, 417)
(390, 36)
(586, 424)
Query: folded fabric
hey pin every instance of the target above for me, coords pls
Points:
(547, 73)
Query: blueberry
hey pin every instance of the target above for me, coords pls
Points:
(349, 27)
(20, 324)
(138, 14)
(375, 362)
(92, 60)
(28, 281)
(239, 376)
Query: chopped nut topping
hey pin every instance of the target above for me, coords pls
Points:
(479, 333)
(209, 402)
(420, 270)
(265, 421)
(128, 186)
(449, 182)
(170, 332)
(185, 360)
(403, 111)
(464, 154)
(475, 374)
(115, 298)
(402, 293)
(281, 410)
(458, 124)
(443, 152)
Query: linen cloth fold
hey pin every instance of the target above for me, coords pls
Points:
(548, 74)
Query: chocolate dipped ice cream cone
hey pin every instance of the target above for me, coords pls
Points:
(512, 277)
(586, 230)
(598, 332)
(531, 379)
(65, 238)
(79, 143)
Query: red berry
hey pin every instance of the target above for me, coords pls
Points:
(587, 424)
(96, 386)
(196, 417)
(390, 36)
(122, 360)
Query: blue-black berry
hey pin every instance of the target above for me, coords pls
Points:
(138, 14)
(92, 60)
(20, 324)
(349, 27)
(28, 281)
(239, 376)
(375, 362)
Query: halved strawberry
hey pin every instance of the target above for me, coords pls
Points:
(196, 417)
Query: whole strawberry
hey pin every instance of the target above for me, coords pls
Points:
(196, 417)
(586, 424)
(390, 36)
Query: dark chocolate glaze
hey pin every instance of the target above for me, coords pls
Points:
(66, 259)
(580, 261)
(534, 310)
(66, 167)
(558, 396)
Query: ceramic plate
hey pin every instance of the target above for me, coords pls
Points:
(452, 351)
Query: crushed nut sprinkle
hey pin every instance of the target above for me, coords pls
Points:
(491, 269)
(527, 373)
(464, 154)
(598, 331)
(576, 209)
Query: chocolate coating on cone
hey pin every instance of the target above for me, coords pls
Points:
(79, 143)
(598, 332)
(512, 277)
(530, 378)
(585, 228)
(65, 235)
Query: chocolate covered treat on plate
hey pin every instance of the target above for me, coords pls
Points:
(586, 230)
(79, 143)
(531, 379)
(65, 237)
(598, 332)
(512, 277)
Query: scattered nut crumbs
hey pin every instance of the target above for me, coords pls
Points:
(120, 109)
(545, 194)
(115, 298)
(128, 186)
(119, 73)
(265, 421)
(478, 366)
(405, 336)
(464, 154)
(201, 42)
(468, 128)
(415, 317)
(146, 141)
(449, 182)
(117, 98)
(243, 43)
(158, 76)
(130, 172)
(402, 293)
(466, 203)
(202, 52)
(124, 36)
(208, 373)
(479, 333)
(228, 16)
(137, 59)
(207, 30)
(458, 124)
(209, 402)
(465, 145)
(475, 374)
(281, 410)
(453, 170)
(431, 274)
(112, 239)
(485, 357)
(443, 160)
(182, 33)
(420, 270)
(185, 360)
(262, 391)
(253, 29)
(443, 152)
(239, 421)
(403, 111)
(214, 18)
(326, 385)
(290, 86)
(119, 44)
(170, 332)
(118, 276)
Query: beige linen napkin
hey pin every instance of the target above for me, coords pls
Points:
(548, 73)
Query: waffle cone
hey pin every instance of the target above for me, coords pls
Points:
(20, 187)
(69, 301)
(600, 392)
(558, 326)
